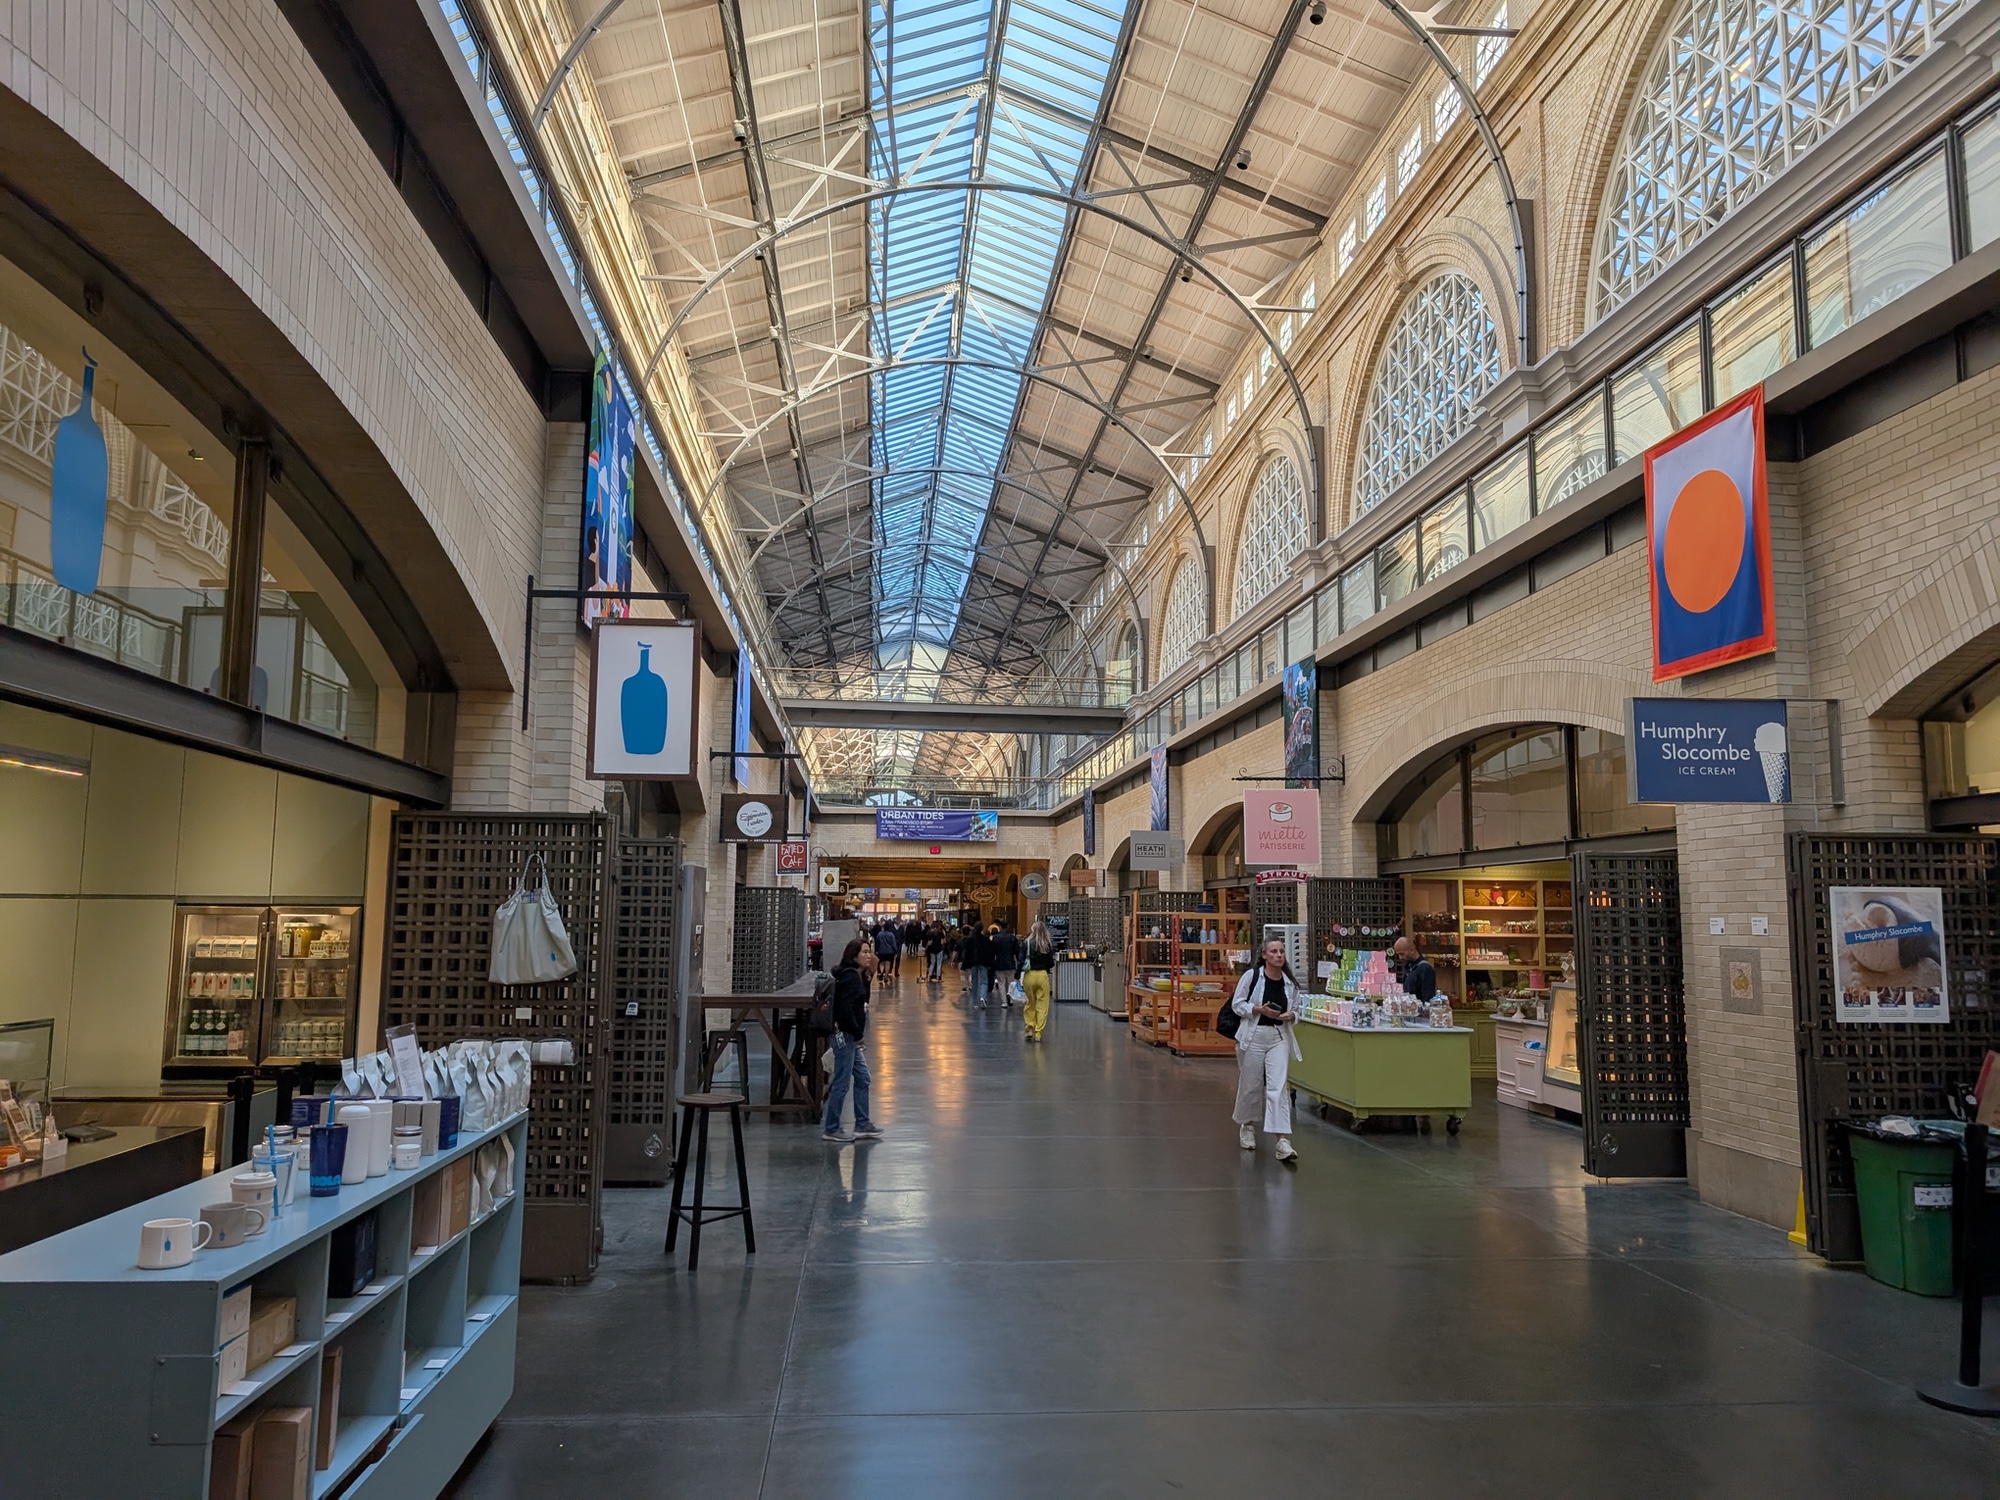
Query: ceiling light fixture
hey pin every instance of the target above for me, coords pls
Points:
(24, 759)
(1318, 12)
(1243, 160)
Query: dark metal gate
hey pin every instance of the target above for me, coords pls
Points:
(1631, 1014)
(447, 872)
(639, 1084)
(1345, 912)
(1851, 1071)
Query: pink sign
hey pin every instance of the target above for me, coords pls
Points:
(1281, 828)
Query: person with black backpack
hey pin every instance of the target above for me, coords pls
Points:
(850, 1063)
(1264, 1010)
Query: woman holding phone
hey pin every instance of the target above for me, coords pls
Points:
(1267, 999)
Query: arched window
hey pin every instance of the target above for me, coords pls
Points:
(1442, 355)
(1121, 670)
(1184, 621)
(1736, 93)
(1274, 529)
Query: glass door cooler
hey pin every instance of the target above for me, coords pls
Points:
(213, 1015)
(313, 993)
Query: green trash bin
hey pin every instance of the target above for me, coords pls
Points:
(1903, 1186)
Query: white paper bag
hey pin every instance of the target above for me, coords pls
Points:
(530, 943)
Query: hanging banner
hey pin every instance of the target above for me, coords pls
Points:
(607, 495)
(1156, 851)
(829, 880)
(793, 857)
(1281, 828)
(753, 818)
(1160, 823)
(1707, 750)
(1708, 530)
(1888, 960)
(644, 712)
(1089, 822)
(739, 737)
(1082, 879)
(1302, 723)
(925, 825)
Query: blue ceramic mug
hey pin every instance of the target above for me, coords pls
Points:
(329, 1155)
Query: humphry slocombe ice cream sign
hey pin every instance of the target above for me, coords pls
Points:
(1708, 750)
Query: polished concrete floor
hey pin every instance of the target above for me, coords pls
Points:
(1058, 1276)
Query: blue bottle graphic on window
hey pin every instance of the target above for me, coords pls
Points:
(642, 707)
(77, 493)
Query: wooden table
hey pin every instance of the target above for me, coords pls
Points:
(794, 1089)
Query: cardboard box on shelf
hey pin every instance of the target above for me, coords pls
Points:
(427, 1214)
(281, 1456)
(458, 1195)
(234, 1358)
(229, 1457)
(235, 1314)
(329, 1406)
(272, 1323)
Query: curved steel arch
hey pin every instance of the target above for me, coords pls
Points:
(1524, 301)
(1189, 256)
(568, 60)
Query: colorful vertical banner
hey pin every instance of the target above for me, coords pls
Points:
(607, 496)
(1089, 822)
(739, 742)
(1160, 823)
(1302, 723)
(1708, 531)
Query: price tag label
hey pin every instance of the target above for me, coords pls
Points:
(1992, 1175)
(1933, 1195)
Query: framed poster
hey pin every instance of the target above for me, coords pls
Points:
(1160, 823)
(645, 715)
(794, 857)
(1888, 961)
(1302, 723)
(607, 495)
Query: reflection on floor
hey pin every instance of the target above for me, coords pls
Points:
(1058, 1276)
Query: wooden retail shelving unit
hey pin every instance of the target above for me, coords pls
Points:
(1200, 973)
(1494, 928)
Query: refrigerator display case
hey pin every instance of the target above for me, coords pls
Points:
(312, 991)
(258, 985)
(218, 960)
(1561, 1062)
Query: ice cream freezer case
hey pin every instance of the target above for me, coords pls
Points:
(261, 985)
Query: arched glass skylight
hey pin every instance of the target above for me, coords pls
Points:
(1183, 620)
(1441, 357)
(1274, 529)
(1737, 92)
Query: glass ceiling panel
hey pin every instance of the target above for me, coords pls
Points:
(959, 276)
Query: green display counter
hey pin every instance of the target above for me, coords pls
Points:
(1388, 1071)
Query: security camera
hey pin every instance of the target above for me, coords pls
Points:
(1187, 271)
(1317, 13)
(1243, 160)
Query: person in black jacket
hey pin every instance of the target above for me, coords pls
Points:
(850, 1063)
(976, 953)
(1006, 962)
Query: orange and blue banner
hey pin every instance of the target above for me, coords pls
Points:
(1708, 542)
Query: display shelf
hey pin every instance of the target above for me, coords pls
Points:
(1194, 956)
(145, 1342)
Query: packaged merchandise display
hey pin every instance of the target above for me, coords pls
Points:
(1364, 994)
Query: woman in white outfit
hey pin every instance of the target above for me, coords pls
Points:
(1267, 999)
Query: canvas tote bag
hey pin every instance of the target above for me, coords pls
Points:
(530, 943)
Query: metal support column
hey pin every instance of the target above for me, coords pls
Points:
(246, 571)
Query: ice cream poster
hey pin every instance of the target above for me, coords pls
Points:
(1888, 954)
(1708, 750)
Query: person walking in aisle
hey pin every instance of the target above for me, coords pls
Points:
(1267, 999)
(913, 942)
(887, 947)
(977, 955)
(1040, 975)
(850, 1063)
(1006, 962)
(934, 952)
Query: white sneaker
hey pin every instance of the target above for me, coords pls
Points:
(1246, 1137)
(1285, 1151)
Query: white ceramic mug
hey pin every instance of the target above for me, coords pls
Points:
(258, 1190)
(166, 1243)
(232, 1223)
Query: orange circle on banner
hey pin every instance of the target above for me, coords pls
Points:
(1702, 551)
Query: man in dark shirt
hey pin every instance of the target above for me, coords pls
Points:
(1418, 977)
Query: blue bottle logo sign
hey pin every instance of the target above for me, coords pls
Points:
(77, 493)
(643, 708)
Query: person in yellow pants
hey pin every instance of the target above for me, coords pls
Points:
(1035, 980)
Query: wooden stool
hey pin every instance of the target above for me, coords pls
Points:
(719, 1042)
(703, 1104)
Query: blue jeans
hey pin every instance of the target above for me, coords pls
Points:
(850, 1066)
(982, 980)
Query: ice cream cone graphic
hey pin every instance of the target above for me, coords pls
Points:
(1772, 752)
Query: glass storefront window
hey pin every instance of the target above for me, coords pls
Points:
(1982, 180)
(1357, 593)
(1444, 536)
(1519, 789)
(1396, 565)
(1750, 331)
(1601, 808)
(1432, 820)
(1501, 500)
(1893, 240)
(1658, 396)
(1569, 451)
